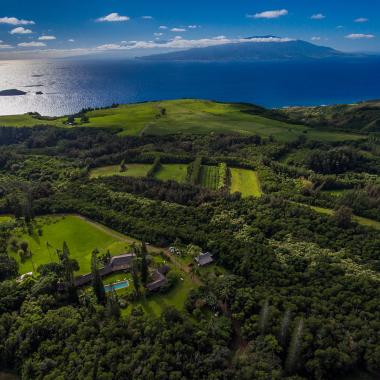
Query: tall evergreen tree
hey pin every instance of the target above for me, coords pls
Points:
(113, 307)
(97, 282)
(144, 264)
(135, 277)
(69, 266)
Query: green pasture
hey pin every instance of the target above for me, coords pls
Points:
(358, 219)
(245, 182)
(172, 172)
(187, 116)
(81, 236)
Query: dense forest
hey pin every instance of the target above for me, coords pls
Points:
(299, 297)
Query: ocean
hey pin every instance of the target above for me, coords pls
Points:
(67, 86)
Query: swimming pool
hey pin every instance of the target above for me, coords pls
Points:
(117, 286)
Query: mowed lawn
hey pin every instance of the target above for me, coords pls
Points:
(245, 182)
(186, 116)
(172, 172)
(132, 170)
(209, 177)
(155, 304)
(81, 236)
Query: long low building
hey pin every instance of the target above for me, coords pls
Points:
(116, 264)
(124, 263)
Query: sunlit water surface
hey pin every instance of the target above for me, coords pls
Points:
(70, 85)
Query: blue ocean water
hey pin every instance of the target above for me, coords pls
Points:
(70, 85)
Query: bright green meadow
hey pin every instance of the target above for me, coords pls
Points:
(81, 236)
(186, 116)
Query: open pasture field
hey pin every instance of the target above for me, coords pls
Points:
(246, 182)
(172, 172)
(81, 236)
(358, 219)
(186, 116)
(132, 170)
(209, 177)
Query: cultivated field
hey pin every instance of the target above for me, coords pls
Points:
(246, 182)
(209, 177)
(186, 116)
(81, 236)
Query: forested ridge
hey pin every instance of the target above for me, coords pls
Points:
(296, 293)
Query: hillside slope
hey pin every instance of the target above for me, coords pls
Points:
(251, 51)
(186, 116)
(364, 116)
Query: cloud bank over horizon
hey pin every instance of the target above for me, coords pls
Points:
(80, 28)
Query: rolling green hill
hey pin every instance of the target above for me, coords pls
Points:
(364, 116)
(187, 117)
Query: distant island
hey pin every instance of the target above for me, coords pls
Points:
(12, 92)
(274, 48)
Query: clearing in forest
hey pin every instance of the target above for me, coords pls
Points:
(81, 236)
(131, 170)
(245, 182)
(172, 172)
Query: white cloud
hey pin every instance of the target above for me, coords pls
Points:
(4, 46)
(361, 20)
(178, 30)
(270, 14)
(71, 40)
(31, 44)
(315, 38)
(47, 38)
(181, 43)
(109, 47)
(163, 27)
(113, 17)
(147, 17)
(193, 26)
(158, 34)
(20, 30)
(15, 21)
(318, 16)
(358, 36)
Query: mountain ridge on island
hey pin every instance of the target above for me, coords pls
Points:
(254, 48)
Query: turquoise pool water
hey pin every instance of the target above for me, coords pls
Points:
(119, 285)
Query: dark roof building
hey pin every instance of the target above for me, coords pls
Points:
(116, 264)
(204, 259)
(124, 262)
(158, 281)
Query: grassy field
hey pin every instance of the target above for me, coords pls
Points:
(155, 304)
(335, 193)
(133, 170)
(246, 182)
(6, 219)
(209, 177)
(189, 117)
(81, 236)
(358, 219)
(173, 172)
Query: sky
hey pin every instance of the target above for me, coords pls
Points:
(43, 28)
